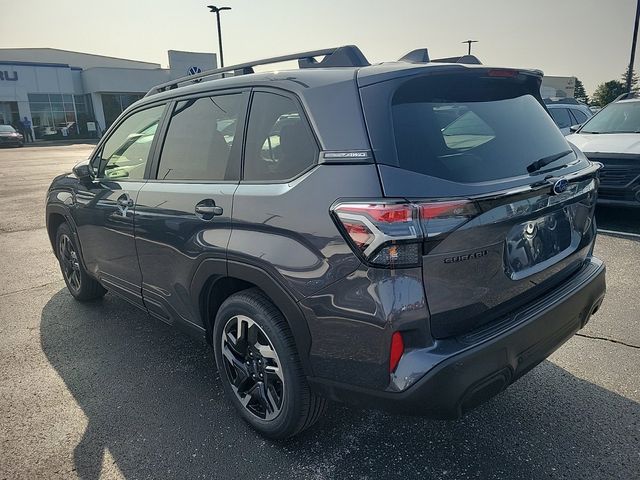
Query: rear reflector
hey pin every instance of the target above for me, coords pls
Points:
(397, 349)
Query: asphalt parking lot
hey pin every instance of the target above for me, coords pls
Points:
(101, 390)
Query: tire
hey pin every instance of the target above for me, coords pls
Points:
(283, 385)
(79, 283)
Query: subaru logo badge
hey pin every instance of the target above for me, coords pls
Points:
(560, 186)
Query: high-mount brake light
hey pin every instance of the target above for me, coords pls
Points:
(391, 234)
(503, 73)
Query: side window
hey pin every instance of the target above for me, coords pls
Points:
(581, 117)
(199, 139)
(126, 152)
(561, 117)
(279, 143)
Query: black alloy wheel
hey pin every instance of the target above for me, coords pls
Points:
(253, 367)
(69, 262)
(81, 285)
(259, 366)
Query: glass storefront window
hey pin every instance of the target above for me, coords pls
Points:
(113, 104)
(53, 115)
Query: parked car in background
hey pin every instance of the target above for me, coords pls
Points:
(568, 112)
(10, 137)
(413, 235)
(612, 137)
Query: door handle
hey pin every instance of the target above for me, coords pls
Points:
(204, 210)
(207, 209)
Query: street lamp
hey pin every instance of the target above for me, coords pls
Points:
(469, 42)
(217, 11)
(633, 49)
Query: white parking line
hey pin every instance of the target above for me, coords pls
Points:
(622, 234)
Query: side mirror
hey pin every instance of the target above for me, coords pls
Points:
(574, 128)
(83, 172)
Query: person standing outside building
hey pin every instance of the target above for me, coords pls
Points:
(28, 133)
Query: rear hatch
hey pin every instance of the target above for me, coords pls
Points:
(506, 204)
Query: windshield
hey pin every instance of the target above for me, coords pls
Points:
(621, 117)
(6, 128)
(474, 130)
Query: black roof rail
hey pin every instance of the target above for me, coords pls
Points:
(466, 59)
(345, 56)
(626, 96)
(420, 55)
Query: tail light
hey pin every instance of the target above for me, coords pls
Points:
(392, 234)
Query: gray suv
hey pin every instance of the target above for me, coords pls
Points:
(413, 235)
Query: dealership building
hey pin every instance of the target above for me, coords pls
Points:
(67, 93)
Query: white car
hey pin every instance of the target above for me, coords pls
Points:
(612, 137)
(568, 114)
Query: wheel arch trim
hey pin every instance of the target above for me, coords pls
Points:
(210, 271)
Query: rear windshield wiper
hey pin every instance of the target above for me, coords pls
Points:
(543, 162)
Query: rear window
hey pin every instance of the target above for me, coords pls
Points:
(467, 128)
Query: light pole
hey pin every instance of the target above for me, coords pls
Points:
(469, 42)
(633, 48)
(217, 11)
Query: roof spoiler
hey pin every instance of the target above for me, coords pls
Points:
(345, 56)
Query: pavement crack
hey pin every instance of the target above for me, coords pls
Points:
(4, 231)
(606, 339)
(6, 294)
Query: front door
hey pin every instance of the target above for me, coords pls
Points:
(105, 207)
(183, 214)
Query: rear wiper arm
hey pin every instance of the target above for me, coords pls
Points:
(538, 164)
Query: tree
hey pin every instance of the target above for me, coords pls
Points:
(634, 80)
(580, 93)
(607, 92)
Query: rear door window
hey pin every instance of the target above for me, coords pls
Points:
(200, 139)
(468, 128)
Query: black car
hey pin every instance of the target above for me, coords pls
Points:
(412, 235)
(10, 137)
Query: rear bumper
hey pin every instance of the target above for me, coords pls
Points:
(460, 373)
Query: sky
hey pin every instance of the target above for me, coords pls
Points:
(590, 39)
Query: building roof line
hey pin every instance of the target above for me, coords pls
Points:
(37, 64)
(79, 53)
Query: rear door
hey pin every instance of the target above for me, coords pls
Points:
(506, 204)
(184, 212)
